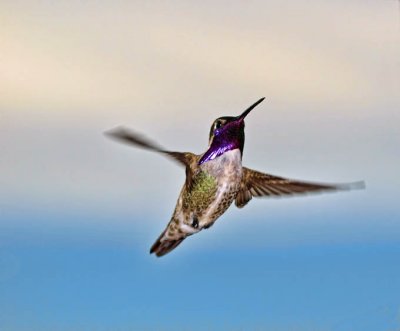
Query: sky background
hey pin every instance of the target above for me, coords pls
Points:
(78, 212)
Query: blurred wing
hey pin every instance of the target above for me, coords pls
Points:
(257, 184)
(122, 134)
(130, 137)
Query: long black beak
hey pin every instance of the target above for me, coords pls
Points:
(248, 110)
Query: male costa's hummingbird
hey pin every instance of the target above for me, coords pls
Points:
(216, 178)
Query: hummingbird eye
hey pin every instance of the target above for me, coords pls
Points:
(218, 124)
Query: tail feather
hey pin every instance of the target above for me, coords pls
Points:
(164, 245)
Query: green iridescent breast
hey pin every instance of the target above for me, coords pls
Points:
(202, 192)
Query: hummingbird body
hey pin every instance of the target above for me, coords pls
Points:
(214, 188)
(216, 178)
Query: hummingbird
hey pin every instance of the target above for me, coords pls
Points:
(216, 178)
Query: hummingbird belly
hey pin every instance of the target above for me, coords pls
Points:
(214, 189)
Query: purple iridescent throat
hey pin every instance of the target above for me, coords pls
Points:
(228, 137)
(225, 139)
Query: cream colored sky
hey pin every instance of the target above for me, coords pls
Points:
(70, 70)
(72, 55)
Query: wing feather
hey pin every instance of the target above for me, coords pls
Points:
(258, 184)
(128, 136)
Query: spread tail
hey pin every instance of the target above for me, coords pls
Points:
(164, 245)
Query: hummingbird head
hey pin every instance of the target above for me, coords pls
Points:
(226, 134)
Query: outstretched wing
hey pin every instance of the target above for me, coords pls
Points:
(258, 184)
(125, 135)
(128, 136)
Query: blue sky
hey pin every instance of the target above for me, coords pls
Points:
(78, 213)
